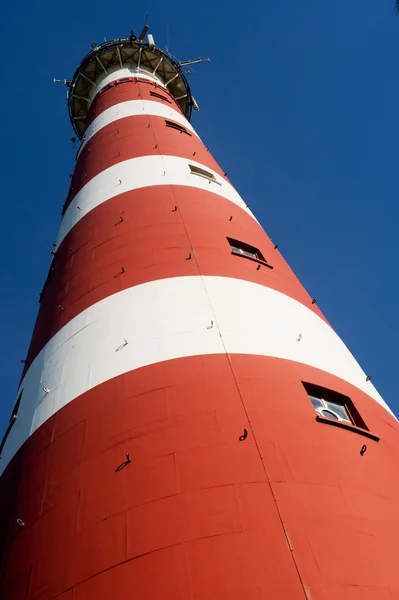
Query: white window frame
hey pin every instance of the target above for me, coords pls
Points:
(319, 410)
(237, 250)
(203, 173)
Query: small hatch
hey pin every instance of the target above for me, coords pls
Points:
(164, 98)
(247, 251)
(203, 173)
(178, 127)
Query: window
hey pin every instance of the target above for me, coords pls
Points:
(330, 410)
(180, 128)
(245, 249)
(164, 98)
(203, 173)
(11, 422)
(336, 409)
(242, 249)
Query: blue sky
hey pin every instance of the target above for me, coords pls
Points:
(299, 107)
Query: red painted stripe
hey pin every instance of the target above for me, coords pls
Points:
(132, 137)
(130, 90)
(196, 509)
(154, 241)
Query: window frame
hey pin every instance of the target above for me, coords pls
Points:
(160, 96)
(357, 424)
(244, 250)
(326, 408)
(177, 127)
(200, 172)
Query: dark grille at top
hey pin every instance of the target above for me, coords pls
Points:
(140, 57)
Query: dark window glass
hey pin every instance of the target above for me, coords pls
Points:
(178, 127)
(164, 98)
(334, 406)
(243, 249)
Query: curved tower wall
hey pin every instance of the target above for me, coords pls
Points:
(164, 442)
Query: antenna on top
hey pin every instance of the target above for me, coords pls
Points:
(167, 40)
(64, 81)
(144, 30)
(143, 33)
(184, 63)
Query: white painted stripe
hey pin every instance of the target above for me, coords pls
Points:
(141, 172)
(168, 319)
(133, 108)
(118, 73)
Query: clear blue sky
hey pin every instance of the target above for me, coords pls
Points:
(299, 106)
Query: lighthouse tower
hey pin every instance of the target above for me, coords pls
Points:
(188, 424)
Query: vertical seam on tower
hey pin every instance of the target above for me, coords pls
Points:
(181, 217)
(242, 401)
(256, 443)
(244, 407)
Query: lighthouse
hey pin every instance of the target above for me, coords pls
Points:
(188, 424)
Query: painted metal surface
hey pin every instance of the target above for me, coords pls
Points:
(143, 172)
(133, 108)
(121, 73)
(198, 513)
(175, 318)
(166, 232)
(123, 91)
(155, 136)
(164, 443)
